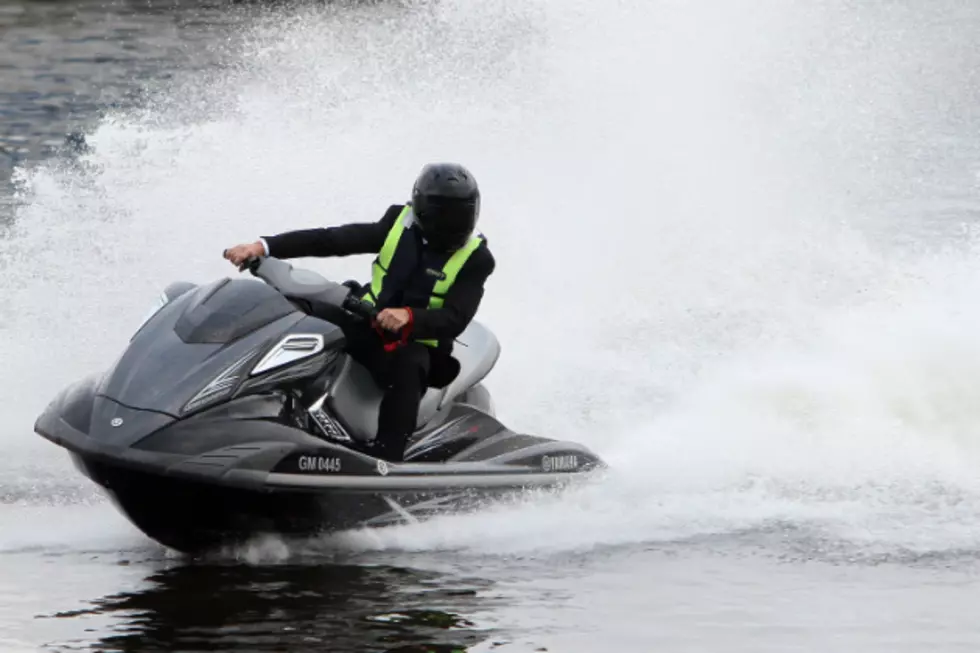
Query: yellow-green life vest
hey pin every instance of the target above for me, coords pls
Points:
(379, 268)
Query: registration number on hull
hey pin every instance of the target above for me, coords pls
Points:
(318, 464)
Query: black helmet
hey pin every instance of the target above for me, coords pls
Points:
(446, 201)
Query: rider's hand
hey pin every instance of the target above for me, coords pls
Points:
(394, 319)
(241, 253)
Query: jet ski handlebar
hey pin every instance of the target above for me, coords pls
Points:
(308, 286)
(359, 307)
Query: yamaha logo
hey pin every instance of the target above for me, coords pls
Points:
(563, 463)
(382, 468)
(116, 421)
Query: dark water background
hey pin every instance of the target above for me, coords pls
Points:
(64, 65)
(328, 607)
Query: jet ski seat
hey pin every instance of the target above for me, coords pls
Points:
(355, 398)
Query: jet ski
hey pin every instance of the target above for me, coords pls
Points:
(235, 411)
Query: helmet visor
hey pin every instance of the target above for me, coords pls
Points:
(446, 223)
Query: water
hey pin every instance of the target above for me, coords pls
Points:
(65, 64)
(737, 258)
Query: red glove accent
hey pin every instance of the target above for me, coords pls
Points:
(405, 332)
(407, 329)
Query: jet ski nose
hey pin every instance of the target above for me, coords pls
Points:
(79, 419)
(121, 426)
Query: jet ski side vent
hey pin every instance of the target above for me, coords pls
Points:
(329, 427)
(222, 385)
(289, 350)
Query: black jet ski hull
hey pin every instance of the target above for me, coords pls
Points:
(192, 516)
(189, 495)
(236, 410)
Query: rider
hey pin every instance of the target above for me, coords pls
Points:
(427, 281)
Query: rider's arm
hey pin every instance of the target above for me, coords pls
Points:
(460, 304)
(356, 238)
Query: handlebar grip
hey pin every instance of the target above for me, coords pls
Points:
(251, 264)
(248, 264)
(360, 307)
